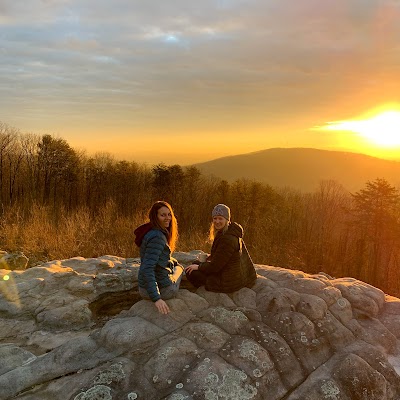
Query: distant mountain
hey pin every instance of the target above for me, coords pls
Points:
(304, 168)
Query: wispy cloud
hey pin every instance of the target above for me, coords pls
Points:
(256, 62)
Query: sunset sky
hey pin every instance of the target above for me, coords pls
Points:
(183, 81)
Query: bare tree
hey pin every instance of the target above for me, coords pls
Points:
(58, 164)
(29, 145)
(8, 137)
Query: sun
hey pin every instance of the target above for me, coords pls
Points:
(381, 128)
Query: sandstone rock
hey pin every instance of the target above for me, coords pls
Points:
(13, 261)
(285, 361)
(122, 334)
(194, 302)
(245, 298)
(213, 378)
(187, 258)
(279, 299)
(216, 299)
(363, 297)
(359, 379)
(206, 336)
(252, 358)
(12, 356)
(167, 365)
(77, 330)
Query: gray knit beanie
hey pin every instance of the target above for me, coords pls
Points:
(223, 210)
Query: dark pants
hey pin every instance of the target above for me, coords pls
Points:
(197, 278)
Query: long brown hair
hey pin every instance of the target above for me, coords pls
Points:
(172, 237)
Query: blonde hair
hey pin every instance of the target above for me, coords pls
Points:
(213, 232)
(172, 231)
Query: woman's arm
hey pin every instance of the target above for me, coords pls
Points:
(221, 255)
(153, 250)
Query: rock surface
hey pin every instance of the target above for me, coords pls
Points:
(13, 261)
(76, 329)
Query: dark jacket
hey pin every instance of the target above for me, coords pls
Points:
(230, 267)
(156, 263)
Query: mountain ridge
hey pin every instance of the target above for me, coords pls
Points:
(303, 168)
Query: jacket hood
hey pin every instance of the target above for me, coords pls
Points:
(235, 229)
(140, 232)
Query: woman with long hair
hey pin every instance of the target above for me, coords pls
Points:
(229, 266)
(159, 273)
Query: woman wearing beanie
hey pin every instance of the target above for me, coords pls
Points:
(159, 274)
(229, 266)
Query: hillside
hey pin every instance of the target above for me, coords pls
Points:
(304, 168)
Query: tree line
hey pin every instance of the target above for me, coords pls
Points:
(57, 202)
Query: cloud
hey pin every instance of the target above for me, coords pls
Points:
(258, 61)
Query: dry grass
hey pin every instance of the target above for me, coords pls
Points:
(43, 236)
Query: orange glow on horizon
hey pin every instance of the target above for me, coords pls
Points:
(378, 130)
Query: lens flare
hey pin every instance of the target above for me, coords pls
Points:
(9, 291)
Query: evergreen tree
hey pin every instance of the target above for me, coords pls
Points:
(375, 214)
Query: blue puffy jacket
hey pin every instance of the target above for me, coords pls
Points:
(156, 265)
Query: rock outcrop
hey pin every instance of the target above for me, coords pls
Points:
(76, 329)
(13, 261)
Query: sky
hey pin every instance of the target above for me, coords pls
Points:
(182, 81)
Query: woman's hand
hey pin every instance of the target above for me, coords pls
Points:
(162, 306)
(190, 268)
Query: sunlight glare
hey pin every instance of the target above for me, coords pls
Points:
(382, 129)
